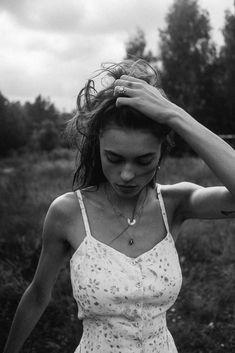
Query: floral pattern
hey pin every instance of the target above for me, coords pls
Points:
(123, 301)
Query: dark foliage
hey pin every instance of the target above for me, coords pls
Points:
(32, 126)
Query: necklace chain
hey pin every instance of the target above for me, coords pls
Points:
(130, 222)
(119, 213)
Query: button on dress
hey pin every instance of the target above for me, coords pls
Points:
(122, 300)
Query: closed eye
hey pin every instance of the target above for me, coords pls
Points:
(141, 160)
(145, 162)
(114, 159)
(119, 160)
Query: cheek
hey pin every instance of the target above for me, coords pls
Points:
(149, 173)
(108, 170)
(145, 173)
(150, 169)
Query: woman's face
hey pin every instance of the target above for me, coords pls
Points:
(129, 159)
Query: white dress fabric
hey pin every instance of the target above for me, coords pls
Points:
(122, 300)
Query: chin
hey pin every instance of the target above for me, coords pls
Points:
(127, 192)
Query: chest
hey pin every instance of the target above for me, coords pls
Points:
(105, 278)
(112, 230)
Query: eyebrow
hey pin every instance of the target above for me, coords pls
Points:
(150, 154)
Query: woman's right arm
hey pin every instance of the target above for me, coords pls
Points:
(54, 252)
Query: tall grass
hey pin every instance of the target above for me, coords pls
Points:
(202, 319)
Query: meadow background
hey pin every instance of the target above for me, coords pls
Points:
(36, 164)
(203, 317)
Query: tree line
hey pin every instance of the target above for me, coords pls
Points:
(195, 74)
(30, 126)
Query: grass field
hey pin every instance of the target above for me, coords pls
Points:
(202, 319)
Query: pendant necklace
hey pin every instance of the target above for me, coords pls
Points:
(130, 221)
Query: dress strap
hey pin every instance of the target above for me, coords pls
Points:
(84, 215)
(162, 206)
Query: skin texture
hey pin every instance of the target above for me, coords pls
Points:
(63, 229)
(129, 158)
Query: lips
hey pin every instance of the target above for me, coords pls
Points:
(126, 187)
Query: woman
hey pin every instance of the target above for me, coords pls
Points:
(119, 227)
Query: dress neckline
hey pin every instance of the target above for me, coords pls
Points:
(121, 254)
(89, 235)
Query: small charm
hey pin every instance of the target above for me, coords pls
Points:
(131, 242)
(131, 223)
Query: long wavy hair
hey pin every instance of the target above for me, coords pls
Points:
(96, 109)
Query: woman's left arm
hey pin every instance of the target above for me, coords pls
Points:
(211, 202)
(216, 153)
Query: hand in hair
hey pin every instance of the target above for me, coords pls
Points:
(144, 97)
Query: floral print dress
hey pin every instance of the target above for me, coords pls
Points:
(122, 300)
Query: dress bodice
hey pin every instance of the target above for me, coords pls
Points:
(122, 300)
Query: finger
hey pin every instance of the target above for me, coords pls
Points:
(123, 91)
(130, 84)
(125, 101)
(121, 82)
(132, 79)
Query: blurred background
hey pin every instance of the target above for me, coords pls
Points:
(48, 50)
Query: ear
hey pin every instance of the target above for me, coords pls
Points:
(164, 150)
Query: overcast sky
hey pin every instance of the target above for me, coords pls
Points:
(50, 47)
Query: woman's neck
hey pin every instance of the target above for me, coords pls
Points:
(126, 204)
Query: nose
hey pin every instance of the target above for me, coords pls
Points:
(127, 173)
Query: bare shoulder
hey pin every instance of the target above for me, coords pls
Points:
(61, 216)
(179, 190)
(55, 244)
(176, 195)
(65, 206)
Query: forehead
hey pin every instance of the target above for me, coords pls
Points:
(129, 142)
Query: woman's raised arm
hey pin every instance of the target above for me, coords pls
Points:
(216, 153)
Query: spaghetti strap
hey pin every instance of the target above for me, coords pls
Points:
(84, 215)
(162, 206)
